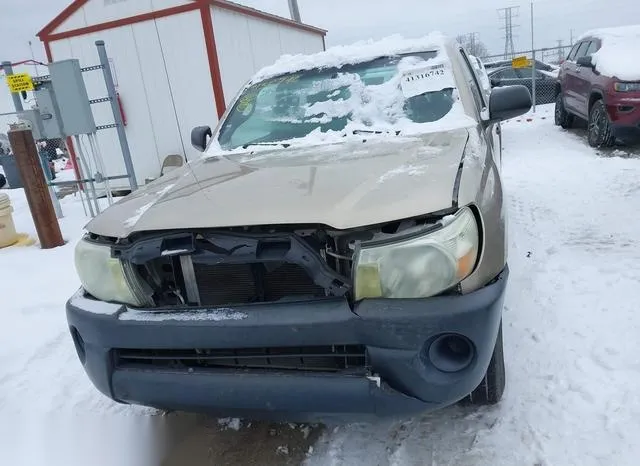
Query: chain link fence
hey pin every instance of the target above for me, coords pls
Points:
(540, 73)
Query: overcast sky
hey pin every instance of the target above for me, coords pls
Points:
(351, 20)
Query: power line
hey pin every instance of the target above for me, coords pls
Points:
(508, 14)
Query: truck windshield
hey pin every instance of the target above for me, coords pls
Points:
(364, 97)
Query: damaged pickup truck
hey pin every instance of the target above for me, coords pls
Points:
(338, 252)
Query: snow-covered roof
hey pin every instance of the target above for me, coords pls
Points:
(618, 54)
(339, 56)
(621, 32)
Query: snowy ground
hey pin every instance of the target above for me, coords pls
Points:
(571, 340)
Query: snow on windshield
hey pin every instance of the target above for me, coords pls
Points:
(619, 52)
(387, 95)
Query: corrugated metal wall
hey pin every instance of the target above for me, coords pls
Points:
(101, 11)
(246, 44)
(164, 85)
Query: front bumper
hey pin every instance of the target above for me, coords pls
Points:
(400, 377)
(624, 113)
(629, 134)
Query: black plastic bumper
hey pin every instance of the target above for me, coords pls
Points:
(627, 134)
(401, 378)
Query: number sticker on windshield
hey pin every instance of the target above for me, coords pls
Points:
(427, 79)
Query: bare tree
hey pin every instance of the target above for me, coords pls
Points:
(472, 44)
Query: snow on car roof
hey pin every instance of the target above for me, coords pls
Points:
(619, 49)
(339, 56)
(622, 32)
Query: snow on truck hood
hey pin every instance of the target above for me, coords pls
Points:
(345, 185)
(618, 54)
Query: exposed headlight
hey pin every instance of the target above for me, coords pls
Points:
(421, 266)
(104, 277)
(627, 87)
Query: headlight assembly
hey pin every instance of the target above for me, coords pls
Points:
(627, 87)
(420, 266)
(106, 278)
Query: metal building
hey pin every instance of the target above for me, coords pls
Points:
(176, 64)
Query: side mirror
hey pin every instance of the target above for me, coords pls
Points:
(509, 102)
(585, 61)
(200, 136)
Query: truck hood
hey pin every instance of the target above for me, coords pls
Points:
(362, 181)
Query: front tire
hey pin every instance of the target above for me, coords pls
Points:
(563, 118)
(490, 390)
(600, 132)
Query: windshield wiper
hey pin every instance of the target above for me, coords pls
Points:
(266, 144)
(371, 131)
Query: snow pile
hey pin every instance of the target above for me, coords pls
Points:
(93, 306)
(618, 55)
(551, 74)
(230, 423)
(131, 221)
(337, 57)
(282, 450)
(481, 72)
(406, 169)
(213, 315)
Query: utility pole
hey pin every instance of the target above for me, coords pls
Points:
(560, 51)
(294, 10)
(35, 187)
(533, 64)
(8, 71)
(472, 42)
(33, 58)
(508, 14)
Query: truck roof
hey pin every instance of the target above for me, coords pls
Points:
(339, 56)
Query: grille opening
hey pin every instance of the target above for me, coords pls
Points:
(228, 284)
(332, 358)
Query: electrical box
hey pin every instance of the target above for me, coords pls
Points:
(71, 95)
(35, 122)
(49, 111)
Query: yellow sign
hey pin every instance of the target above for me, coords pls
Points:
(521, 62)
(20, 82)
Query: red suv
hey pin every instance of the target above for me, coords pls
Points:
(600, 82)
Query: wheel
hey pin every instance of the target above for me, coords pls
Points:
(491, 388)
(563, 118)
(600, 132)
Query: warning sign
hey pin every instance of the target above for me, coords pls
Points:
(20, 82)
(521, 62)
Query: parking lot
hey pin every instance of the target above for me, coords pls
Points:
(571, 327)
